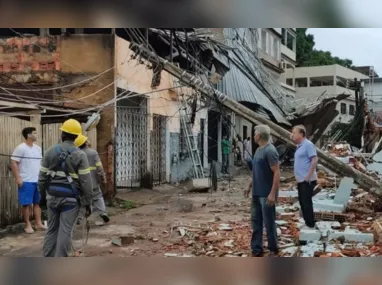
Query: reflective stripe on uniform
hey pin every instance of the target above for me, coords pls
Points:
(44, 169)
(91, 168)
(99, 163)
(62, 174)
(84, 171)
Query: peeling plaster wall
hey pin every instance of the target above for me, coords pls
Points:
(62, 60)
(29, 54)
(84, 56)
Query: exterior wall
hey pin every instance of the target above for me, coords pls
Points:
(343, 118)
(285, 51)
(84, 56)
(137, 78)
(62, 60)
(312, 92)
(33, 60)
(277, 30)
(288, 52)
(375, 95)
(266, 48)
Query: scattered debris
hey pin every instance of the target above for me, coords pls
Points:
(225, 227)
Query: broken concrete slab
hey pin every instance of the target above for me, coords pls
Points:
(225, 227)
(352, 235)
(344, 191)
(307, 234)
(324, 227)
(288, 193)
(200, 185)
(327, 206)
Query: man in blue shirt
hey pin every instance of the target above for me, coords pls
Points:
(264, 185)
(305, 163)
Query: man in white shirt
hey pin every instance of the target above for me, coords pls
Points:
(25, 165)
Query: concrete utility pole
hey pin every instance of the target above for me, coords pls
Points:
(365, 182)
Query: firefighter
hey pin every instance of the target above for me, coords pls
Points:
(65, 183)
(97, 174)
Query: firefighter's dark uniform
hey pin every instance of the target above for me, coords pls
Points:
(62, 203)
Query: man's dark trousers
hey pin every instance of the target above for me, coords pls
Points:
(305, 197)
(263, 214)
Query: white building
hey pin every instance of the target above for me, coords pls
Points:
(316, 82)
(288, 58)
(373, 91)
(277, 50)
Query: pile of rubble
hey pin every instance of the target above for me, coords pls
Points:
(349, 225)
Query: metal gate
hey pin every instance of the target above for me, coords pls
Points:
(131, 146)
(158, 149)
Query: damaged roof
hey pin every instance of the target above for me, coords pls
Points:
(242, 83)
(240, 71)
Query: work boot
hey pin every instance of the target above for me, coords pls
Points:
(105, 218)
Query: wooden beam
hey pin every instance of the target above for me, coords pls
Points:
(337, 166)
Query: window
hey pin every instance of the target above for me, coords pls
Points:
(283, 36)
(301, 82)
(289, 81)
(343, 108)
(264, 40)
(322, 81)
(276, 48)
(270, 44)
(245, 132)
(342, 82)
(288, 39)
(291, 42)
(351, 110)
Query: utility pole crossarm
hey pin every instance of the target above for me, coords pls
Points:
(365, 182)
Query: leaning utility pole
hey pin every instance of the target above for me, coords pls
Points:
(365, 182)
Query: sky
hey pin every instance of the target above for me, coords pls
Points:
(362, 45)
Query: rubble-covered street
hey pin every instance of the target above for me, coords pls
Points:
(171, 221)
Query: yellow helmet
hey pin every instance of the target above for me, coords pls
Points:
(71, 126)
(80, 140)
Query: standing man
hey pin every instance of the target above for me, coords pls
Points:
(305, 163)
(25, 166)
(65, 177)
(226, 149)
(265, 184)
(97, 174)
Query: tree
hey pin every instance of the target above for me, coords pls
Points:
(304, 46)
(307, 55)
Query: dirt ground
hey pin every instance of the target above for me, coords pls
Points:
(155, 223)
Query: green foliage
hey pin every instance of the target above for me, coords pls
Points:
(129, 205)
(307, 55)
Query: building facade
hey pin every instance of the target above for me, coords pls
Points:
(318, 82)
(288, 59)
(98, 72)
